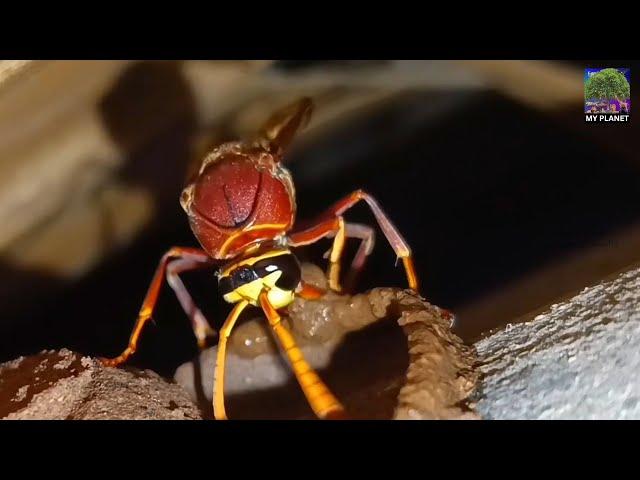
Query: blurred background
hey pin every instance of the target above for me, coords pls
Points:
(509, 199)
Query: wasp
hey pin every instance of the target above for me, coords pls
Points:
(241, 207)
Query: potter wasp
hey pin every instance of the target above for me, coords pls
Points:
(241, 207)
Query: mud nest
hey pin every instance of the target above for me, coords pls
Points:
(386, 354)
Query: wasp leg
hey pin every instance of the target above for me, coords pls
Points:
(320, 398)
(367, 236)
(340, 230)
(335, 254)
(309, 292)
(218, 375)
(150, 300)
(326, 226)
(317, 231)
(199, 324)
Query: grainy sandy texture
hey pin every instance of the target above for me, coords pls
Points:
(441, 375)
(579, 360)
(58, 385)
(386, 353)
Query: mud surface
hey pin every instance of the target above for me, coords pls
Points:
(59, 385)
(386, 354)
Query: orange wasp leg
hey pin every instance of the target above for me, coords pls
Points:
(349, 230)
(218, 375)
(340, 230)
(335, 255)
(327, 227)
(150, 300)
(309, 292)
(322, 401)
(333, 226)
(399, 245)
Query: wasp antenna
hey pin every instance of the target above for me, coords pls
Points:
(279, 131)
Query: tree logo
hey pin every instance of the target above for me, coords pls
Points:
(607, 94)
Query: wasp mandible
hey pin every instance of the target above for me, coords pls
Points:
(241, 207)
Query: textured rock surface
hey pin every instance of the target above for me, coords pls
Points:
(376, 368)
(579, 360)
(58, 385)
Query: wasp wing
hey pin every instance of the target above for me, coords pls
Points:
(280, 129)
